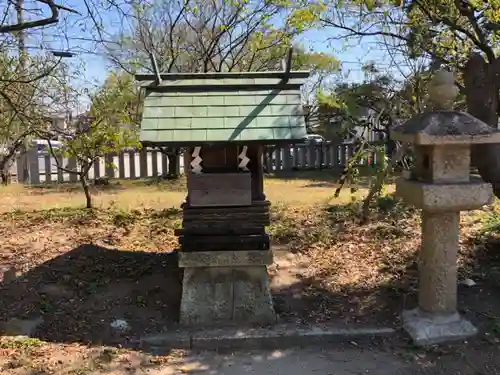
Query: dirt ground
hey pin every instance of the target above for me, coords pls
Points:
(68, 273)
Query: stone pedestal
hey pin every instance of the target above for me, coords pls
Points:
(433, 328)
(438, 262)
(226, 287)
(436, 319)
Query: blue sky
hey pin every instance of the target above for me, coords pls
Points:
(93, 67)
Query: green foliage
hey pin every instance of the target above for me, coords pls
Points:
(122, 86)
(446, 30)
(109, 127)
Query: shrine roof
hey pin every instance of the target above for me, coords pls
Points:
(197, 108)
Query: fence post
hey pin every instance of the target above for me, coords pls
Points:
(327, 154)
(97, 168)
(109, 170)
(164, 165)
(295, 157)
(287, 158)
(48, 168)
(269, 159)
(72, 167)
(33, 166)
(311, 155)
(121, 165)
(143, 163)
(302, 151)
(154, 163)
(334, 152)
(278, 165)
(174, 166)
(131, 164)
(60, 175)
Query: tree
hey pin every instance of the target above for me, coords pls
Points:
(207, 36)
(461, 35)
(199, 35)
(24, 25)
(26, 88)
(25, 98)
(373, 106)
(100, 132)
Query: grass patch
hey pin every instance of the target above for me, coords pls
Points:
(490, 223)
(20, 343)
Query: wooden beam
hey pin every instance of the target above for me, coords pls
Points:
(156, 71)
(287, 64)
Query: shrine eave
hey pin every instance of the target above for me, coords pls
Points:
(169, 77)
(180, 144)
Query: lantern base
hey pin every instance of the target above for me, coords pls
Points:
(429, 329)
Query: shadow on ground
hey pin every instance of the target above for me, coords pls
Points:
(480, 301)
(79, 294)
(76, 296)
(306, 299)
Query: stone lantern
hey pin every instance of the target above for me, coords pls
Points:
(441, 185)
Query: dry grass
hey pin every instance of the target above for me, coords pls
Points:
(344, 271)
(20, 355)
(128, 195)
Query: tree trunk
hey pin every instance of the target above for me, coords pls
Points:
(86, 189)
(4, 176)
(4, 172)
(6, 162)
(481, 92)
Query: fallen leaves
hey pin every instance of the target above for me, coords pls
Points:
(342, 271)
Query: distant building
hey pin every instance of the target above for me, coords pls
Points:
(58, 122)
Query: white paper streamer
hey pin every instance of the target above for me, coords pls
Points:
(244, 159)
(195, 163)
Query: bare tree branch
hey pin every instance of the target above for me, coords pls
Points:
(54, 18)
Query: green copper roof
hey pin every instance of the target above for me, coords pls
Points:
(187, 109)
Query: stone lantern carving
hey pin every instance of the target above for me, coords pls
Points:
(441, 185)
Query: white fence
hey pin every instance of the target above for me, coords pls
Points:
(132, 164)
(148, 163)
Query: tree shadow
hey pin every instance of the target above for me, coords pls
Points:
(482, 265)
(355, 306)
(79, 294)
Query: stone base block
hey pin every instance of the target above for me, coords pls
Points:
(221, 295)
(429, 329)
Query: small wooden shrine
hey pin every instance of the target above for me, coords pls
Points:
(224, 120)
